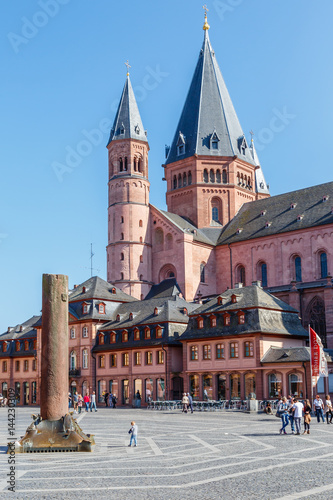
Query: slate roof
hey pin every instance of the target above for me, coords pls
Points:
(208, 235)
(28, 330)
(286, 355)
(264, 313)
(96, 288)
(167, 288)
(208, 111)
(127, 117)
(277, 212)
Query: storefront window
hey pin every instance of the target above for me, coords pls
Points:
(34, 392)
(207, 385)
(295, 385)
(125, 384)
(149, 390)
(274, 385)
(221, 386)
(250, 384)
(194, 386)
(101, 390)
(5, 389)
(160, 389)
(17, 391)
(235, 386)
(138, 386)
(113, 387)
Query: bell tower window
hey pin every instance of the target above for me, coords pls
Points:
(125, 164)
(120, 164)
(214, 141)
(180, 144)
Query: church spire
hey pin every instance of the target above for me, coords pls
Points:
(208, 115)
(127, 123)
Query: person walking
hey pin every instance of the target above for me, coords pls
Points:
(79, 404)
(93, 401)
(283, 413)
(86, 400)
(307, 416)
(298, 409)
(190, 401)
(138, 399)
(319, 408)
(328, 408)
(291, 409)
(106, 398)
(185, 402)
(134, 434)
(75, 402)
(110, 399)
(114, 401)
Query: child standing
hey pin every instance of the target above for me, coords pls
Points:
(134, 433)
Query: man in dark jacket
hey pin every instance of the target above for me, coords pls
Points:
(190, 401)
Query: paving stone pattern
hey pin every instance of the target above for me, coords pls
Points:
(204, 455)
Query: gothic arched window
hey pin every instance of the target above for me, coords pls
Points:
(224, 177)
(202, 272)
(184, 179)
(215, 214)
(120, 164)
(211, 176)
(298, 268)
(315, 317)
(205, 175)
(323, 265)
(218, 176)
(263, 267)
(179, 180)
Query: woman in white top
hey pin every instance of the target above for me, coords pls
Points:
(328, 409)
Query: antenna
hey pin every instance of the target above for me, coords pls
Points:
(91, 260)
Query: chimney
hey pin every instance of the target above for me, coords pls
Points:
(238, 285)
(75, 286)
(21, 328)
(256, 283)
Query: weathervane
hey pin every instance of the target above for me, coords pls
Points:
(252, 134)
(128, 66)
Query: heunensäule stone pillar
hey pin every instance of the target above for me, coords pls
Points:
(54, 352)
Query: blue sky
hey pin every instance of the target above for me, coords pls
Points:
(62, 75)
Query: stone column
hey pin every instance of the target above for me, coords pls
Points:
(54, 351)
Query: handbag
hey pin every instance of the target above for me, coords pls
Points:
(278, 414)
(307, 418)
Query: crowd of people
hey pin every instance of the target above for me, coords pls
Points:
(291, 411)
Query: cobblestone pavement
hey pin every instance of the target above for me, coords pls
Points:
(204, 455)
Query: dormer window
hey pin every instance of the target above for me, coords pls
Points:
(26, 345)
(125, 336)
(325, 197)
(17, 345)
(262, 213)
(214, 141)
(136, 334)
(185, 311)
(300, 217)
(268, 224)
(239, 230)
(233, 299)
(155, 311)
(212, 320)
(226, 319)
(113, 338)
(101, 308)
(122, 129)
(220, 301)
(159, 332)
(118, 317)
(130, 317)
(180, 144)
(147, 332)
(242, 145)
(199, 323)
(101, 339)
(293, 206)
(241, 317)
(5, 346)
(85, 308)
(113, 291)
(137, 129)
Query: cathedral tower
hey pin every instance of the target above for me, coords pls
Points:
(129, 247)
(210, 169)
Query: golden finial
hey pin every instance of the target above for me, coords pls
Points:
(128, 66)
(252, 134)
(206, 25)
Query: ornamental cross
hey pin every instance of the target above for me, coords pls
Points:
(128, 66)
(206, 9)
